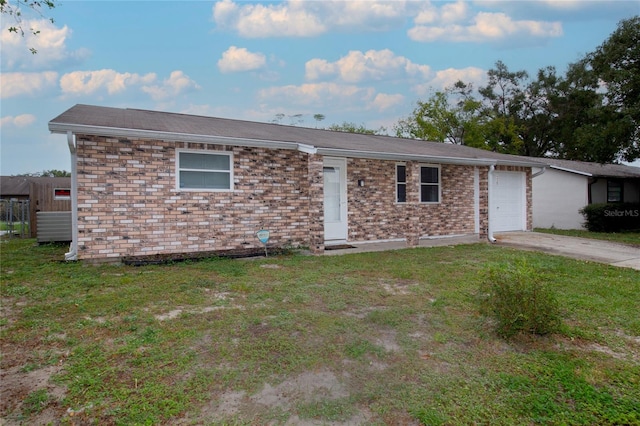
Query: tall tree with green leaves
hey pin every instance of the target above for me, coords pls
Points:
(452, 116)
(503, 98)
(615, 68)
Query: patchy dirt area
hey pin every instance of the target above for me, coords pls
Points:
(23, 391)
(30, 395)
(307, 387)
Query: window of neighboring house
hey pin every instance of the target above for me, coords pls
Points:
(204, 171)
(401, 183)
(614, 191)
(61, 194)
(429, 184)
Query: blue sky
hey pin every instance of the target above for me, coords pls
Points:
(366, 62)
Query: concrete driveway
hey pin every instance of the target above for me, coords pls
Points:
(578, 248)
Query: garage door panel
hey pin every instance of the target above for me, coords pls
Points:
(508, 201)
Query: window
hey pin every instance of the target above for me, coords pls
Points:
(61, 194)
(401, 183)
(614, 191)
(204, 171)
(429, 184)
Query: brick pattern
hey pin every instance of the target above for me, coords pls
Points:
(128, 204)
(315, 180)
(374, 213)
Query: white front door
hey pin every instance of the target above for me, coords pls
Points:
(335, 199)
(508, 202)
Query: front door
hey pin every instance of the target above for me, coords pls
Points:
(335, 199)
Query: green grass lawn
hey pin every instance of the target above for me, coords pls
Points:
(632, 238)
(374, 338)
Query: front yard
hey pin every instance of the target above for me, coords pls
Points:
(377, 338)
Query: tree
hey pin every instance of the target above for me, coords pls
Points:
(503, 97)
(596, 106)
(55, 173)
(354, 128)
(451, 116)
(318, 118)
(48, 173)
(590, 114)
(615, 66)
(15, 8)
(278, 118)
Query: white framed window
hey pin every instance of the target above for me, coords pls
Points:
(429, 183)
(204, 170)
(401, 183)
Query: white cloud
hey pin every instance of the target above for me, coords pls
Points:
(23, 83)
(299, 18)
(236, 59)
(177, 83)
(289, 19)
(50, 44)
(318, 94)
(89, 82)
(111, 82)
(22, 120)
(448, 77)
(483, 27)
(371, 65)
(383, 101)
(453, 12)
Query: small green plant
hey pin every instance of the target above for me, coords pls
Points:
(35, 402)
(518, 300)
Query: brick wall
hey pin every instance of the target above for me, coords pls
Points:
(375, 215)
(128, 204)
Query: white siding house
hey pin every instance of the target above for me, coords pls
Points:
(564, 187)
(557, 198)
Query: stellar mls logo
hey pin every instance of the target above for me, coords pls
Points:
(622, 213)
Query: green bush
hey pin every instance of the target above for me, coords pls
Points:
(612, 217)
(518, 300)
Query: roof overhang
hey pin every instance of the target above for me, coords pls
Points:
(80, 129)
(116, 132)
(332, 152)
(564, 169)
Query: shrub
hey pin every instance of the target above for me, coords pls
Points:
(518, 300)
(612, 217)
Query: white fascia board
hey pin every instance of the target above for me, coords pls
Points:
(571, 171)
(171, 136)
(518, 163)
(405, 157)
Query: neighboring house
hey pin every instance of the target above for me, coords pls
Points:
(566, 186)
(155, 183)
(44, 194)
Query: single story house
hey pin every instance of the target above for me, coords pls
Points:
(34, 195)
(152, 183)
(567, 186)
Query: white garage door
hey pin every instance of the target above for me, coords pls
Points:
(508, 202)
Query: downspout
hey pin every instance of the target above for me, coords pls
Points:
(536, 174)
(73, 250)
(590, 190)
(489, 184)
